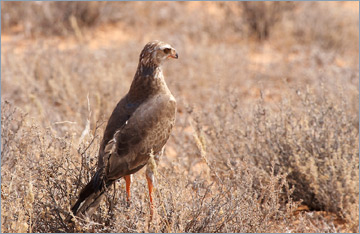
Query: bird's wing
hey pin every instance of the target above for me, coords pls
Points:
(145, 132)
(122, 112)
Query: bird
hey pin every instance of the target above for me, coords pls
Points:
(136, 132)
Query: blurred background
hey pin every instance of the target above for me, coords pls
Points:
(269, 88)
(242, 46)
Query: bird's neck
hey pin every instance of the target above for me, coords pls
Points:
(148, 80)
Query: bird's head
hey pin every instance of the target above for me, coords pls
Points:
(156, 52)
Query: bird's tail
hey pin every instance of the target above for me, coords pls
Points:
(91, 195)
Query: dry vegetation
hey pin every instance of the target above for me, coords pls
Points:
(267, 131)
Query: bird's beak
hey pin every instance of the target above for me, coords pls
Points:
(174, 54)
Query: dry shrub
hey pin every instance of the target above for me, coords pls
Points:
(40, 173)
(233, 157)
(332, 28)
(57, 87)
(232, 162)
(64, 18)
(307, 23)
(49, 18)
(311, 139)
(261, 17)
(27, 173)
(320, 152)
(43, 173)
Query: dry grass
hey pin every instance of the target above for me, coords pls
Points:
(263, 126)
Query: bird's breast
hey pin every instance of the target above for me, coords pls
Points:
(153, 124)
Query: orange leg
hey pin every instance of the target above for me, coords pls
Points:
(128, 182)
(150, 186)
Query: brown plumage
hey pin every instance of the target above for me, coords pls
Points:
(138, 127)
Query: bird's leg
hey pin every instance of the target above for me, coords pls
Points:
(128, 183)
(113, 198)
(151, 172)
(150, 186)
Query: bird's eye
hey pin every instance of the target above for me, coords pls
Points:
(166, 50)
